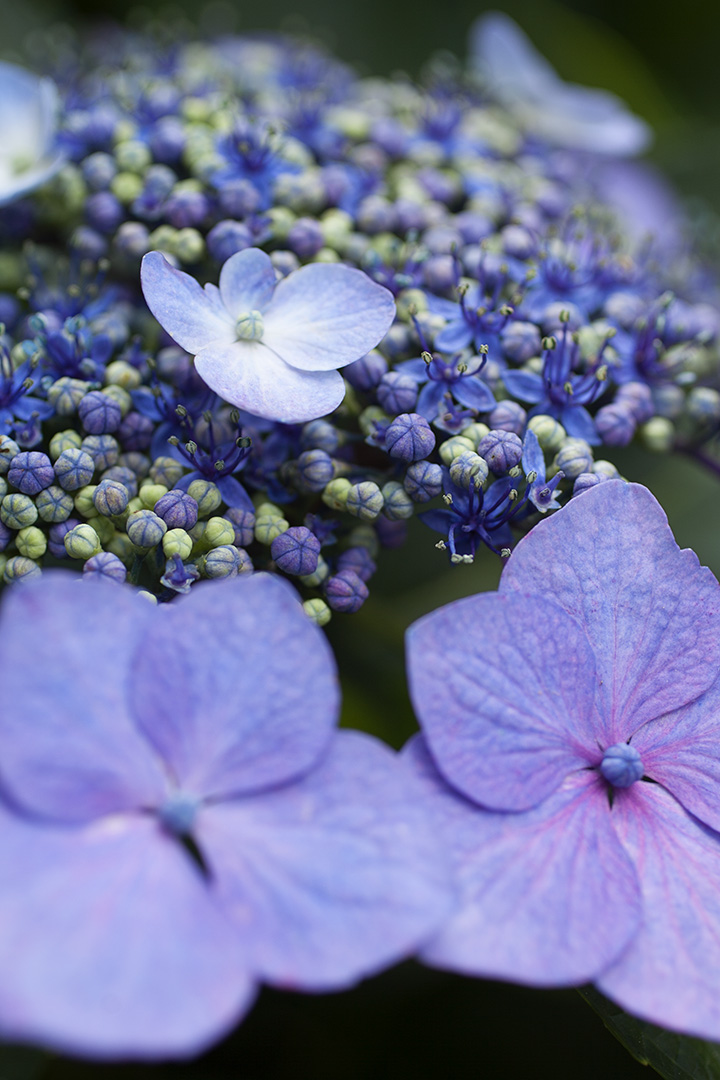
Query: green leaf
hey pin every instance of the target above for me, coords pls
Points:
(673, 1056)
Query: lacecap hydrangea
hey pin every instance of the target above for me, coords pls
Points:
(432, 299)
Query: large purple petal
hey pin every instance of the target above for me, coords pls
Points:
(69, 746)
(236, 688)
(112, 944)
(247, 282)
(192, 316)
(670, 973)
(334, 877)
(526, 385)
(507, 714)
(681, 751)
(324, 316)
(547, 897)
(251, 376)
(651, 612)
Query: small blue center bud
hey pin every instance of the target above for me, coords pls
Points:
(621, 765)
(249, 326)
(178, 812)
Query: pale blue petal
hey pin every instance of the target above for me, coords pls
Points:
(236, 687)
(525, 385)
(509, 714)
(192, 316)
(324, 315)
(579, 424)
(251, 376)
(670, 972)
(455, 336)
(650, 611)
(547, 897)
(533, 459)
(112, 944)
(332, 878)
(70, 748)
(474, 394)
(247, 282)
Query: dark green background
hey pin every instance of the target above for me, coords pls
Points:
(413, 1022)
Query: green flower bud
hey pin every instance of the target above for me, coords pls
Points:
(145, 528)
(149, 494)
(318, 611)
(281, 221)
(167, 471)
(326, 255)
(66, 394)
(398, 504)
(550, 434)
(82, 542)
(219, 532)
(371, 416)
(454, 447)
(64, 440)
(269, 525)
(606, 468)
(54, 505)
(120, 395)
(163, 239)
(122, 546)
(364, 536)
(475, 432)
(335, 494)
(20, 568)
(126, 187)
(84, 500)
(31, 542)
(222, 562)
(363, 500)
(177, 542)
(120, 373)
(3, 487)
(658, 435)
(103, 527)
(109, 497)
(133, 156)
(207, 495)
(17, 511)
(318, 575)
(189, 245)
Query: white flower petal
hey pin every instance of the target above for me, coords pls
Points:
(192, 316)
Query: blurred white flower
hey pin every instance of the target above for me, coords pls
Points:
(28, 122)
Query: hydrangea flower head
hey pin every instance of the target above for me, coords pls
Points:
(271, 348)
(28, 110)
(574, 756)
(578, 117)
(209, 722)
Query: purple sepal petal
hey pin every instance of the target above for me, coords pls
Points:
(255, 706)
(669, 973)
(70, 748)
(579, 424)
(474, 394)
(111, 943)
(505, 719)
(326, 315)
(251, 376)
(334, 877)
(525, 385)
(193, 317)
(247, 282)
(455, 336)
(233, 493)
(547, 897)
(650, 611)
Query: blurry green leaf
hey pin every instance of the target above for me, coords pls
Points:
(673, 1056)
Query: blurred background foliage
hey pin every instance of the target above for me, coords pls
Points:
(412, 1022)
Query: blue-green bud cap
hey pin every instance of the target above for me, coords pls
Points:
(65, 395)
(145, 528)
(574, 457)
(222, 562)
(364, 500)
(74, 469)
(167, 471)
(8, 449)
(124, 476)
(20, 568)
(320, 435)
(31, 471)
(409, 438)
(103, 449)
(398, 504)
(296, 551)
(207, 496)
(243, 522)
(178, 509)
(469, 470)
(110, 497)
(99, 414)
(502, 450)
(18, 510)
(315, 469)
(64, 440)
(106, 565)
(423, 481)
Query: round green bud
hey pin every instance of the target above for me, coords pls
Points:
(149, 494)
(167, 471)
(31, 542)
(606, 468)
(163, 238)
(109, 497)
(145, 528)
(658, 435)
(409, 302)
(82, 542)
(8, 450)
(219, 532)
(363, 500)
(54, 505)
(120, 395)
(398, 504)
(475, 432)
(335, 225)
(207, 495)
(17, 511)
(177, 542)
(122, 546)
(126, 187)
(66, 394)
(103, 527)
(574, 457)
(3, 487)
(268, 526)
(550, 434)
(133, 156)
(326, 255)
(281, 221)
(318, 575)
(189, 245)
(134, 505)
(120, 373)
(20, 568)
(222, 562)
(197, 535)
(318, 611)
(64, 440)
(84, 500)
(454, 447)
(335, 494)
